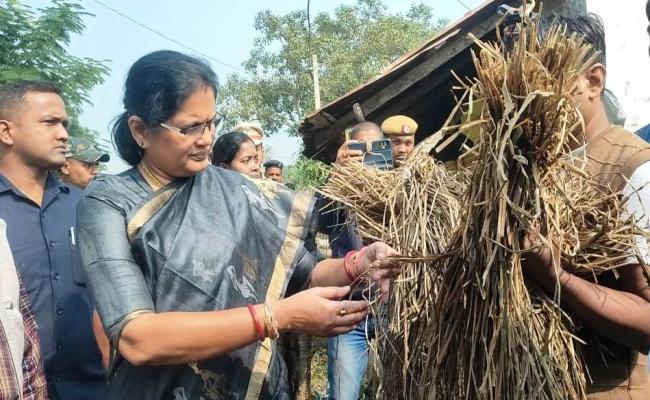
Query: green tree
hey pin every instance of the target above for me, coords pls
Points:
(352, 45)
(33, 45)
(306, 173)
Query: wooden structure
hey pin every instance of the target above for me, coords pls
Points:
(418, 85)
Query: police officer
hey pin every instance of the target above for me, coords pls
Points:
(400, 130)
(273, 170)
(81, 162)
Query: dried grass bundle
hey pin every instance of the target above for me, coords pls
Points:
(387, 205)
(587, 224)
(469, 324)
(495, 335)
(415, 209)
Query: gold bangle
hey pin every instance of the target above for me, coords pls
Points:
(269, 322)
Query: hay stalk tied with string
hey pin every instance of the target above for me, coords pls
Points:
(469, 324)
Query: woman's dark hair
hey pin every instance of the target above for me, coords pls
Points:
(227, 146)
(156, 85)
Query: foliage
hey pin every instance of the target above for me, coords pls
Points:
(33, 45)
(77, 130)
(352, 45)
(306, 173)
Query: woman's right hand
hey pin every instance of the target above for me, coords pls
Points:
(319, 312)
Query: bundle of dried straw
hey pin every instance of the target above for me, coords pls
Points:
(464, 322)
(415, 209)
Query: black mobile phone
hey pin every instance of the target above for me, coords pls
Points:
(359, 146)
(377, 154)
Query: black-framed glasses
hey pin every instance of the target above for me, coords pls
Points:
(197, 129)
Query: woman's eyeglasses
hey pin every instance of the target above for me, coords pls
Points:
(198, 129)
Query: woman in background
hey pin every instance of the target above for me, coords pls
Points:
(236, 151)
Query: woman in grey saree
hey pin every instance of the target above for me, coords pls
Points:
(193, 269)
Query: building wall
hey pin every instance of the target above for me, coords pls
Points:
(628, 64)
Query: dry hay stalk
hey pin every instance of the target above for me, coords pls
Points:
(495, 335)
(415, 209)
(422, 192)
(469, 325)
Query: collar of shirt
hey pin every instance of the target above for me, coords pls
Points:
(53, 187)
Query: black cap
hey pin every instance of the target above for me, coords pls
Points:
(273, 163)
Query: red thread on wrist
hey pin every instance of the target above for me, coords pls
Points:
(346, 265)
(258, 326)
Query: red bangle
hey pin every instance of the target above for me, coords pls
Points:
(346, 266)
(258, 326)
(357, 261)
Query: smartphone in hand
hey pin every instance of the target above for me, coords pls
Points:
(377, 154)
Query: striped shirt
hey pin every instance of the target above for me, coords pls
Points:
(34, 386)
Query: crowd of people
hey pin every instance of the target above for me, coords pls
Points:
(174, 278)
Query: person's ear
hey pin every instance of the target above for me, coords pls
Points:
(65, 170)
(6, 133)
(595, 80)
(139, 131)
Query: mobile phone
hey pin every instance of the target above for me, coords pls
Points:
(358, 146)
(377, 154)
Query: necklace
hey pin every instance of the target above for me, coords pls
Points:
(151, 177)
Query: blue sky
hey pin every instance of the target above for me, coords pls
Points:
(222, 30)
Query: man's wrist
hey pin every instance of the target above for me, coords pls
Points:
(280, 316)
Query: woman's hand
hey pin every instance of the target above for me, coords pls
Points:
(375, 261)
(319, 312)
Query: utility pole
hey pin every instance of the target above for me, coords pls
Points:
(314, 63)
(314, 73)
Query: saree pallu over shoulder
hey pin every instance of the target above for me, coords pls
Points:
(148, 209)
(212, 242)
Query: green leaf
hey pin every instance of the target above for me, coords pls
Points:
(33, 45)
(306, 173)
